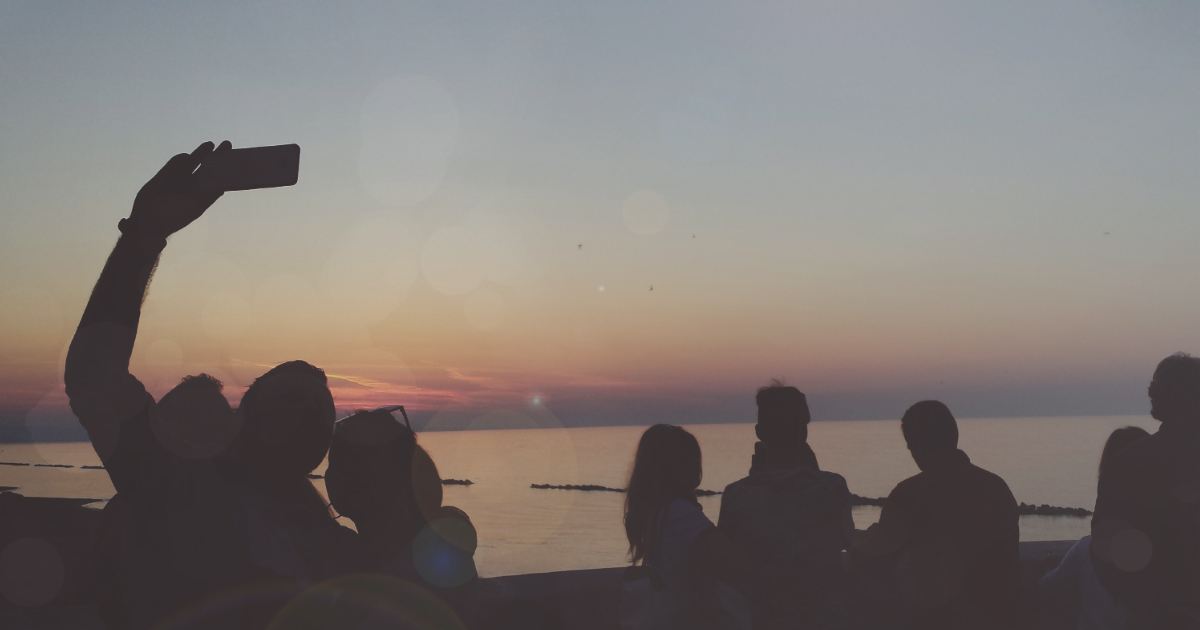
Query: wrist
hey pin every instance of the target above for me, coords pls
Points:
(137, 233)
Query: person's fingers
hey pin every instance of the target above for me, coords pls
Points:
(198, 155)
(168, 173)
(181, 165)
(173, 166)
(224, 146)
(203, 149)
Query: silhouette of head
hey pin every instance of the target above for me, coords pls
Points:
(929, 430)
(783, 415)
(377, 469)
(194, 420)
(1117, 441)
(287, 421)
(667, 466)
(1175, 389)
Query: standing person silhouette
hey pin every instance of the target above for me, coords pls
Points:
(199, 525)
(948, 538)
(1146, 526)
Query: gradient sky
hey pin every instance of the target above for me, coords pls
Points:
(992, 203)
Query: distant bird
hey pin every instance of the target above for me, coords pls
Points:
(652, 287)
(1106, 233)
(693, 236)
(581, 246)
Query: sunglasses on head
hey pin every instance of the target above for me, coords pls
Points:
(388, 409)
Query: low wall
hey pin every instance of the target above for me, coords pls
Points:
(574, 600)
(588, 599)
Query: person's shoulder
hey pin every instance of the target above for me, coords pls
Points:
(833, 480)
(1147, 449)
(681, 511)
(680, 507)
(910, 485)
(683, 522)
(739, 486)
(990, 480)
(987, 475)
(821, 488)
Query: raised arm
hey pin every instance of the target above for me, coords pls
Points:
(103, 393)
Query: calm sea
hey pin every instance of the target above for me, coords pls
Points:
(523, 530)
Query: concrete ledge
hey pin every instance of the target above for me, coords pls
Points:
(588, 599)
(575, 600)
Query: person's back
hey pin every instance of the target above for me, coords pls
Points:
(794, 517)
(962, 509)
(791, 519)
(1146, 527)
(950, 532)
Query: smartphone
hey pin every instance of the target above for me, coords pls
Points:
(247, 169)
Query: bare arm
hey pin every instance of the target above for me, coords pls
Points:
(1060, 585)
(890, 534)
(102, 391)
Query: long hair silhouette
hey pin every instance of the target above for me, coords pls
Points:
(667, 467)
(1117, 441)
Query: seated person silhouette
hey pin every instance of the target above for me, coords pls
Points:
(669, 534)
(1073, 584)
(202, 518)
(1146, 526)
(380, 478)
(792, 516)
(947, 538)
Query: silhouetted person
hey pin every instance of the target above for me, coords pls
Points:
(197, 523)
(664, 521)
(287, 424)
(195, 420)
(792, 516)
(1073, 584)
(783, 418)
(380, 478)
(947, 539)
(1146, 526)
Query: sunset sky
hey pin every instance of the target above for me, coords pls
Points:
(992, 203)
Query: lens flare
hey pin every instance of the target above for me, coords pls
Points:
(442, 552)
(367, 601)
(31, 572)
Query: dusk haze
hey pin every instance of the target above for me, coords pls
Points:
(538, 214)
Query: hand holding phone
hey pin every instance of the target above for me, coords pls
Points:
(250, 168)
(171, 200)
